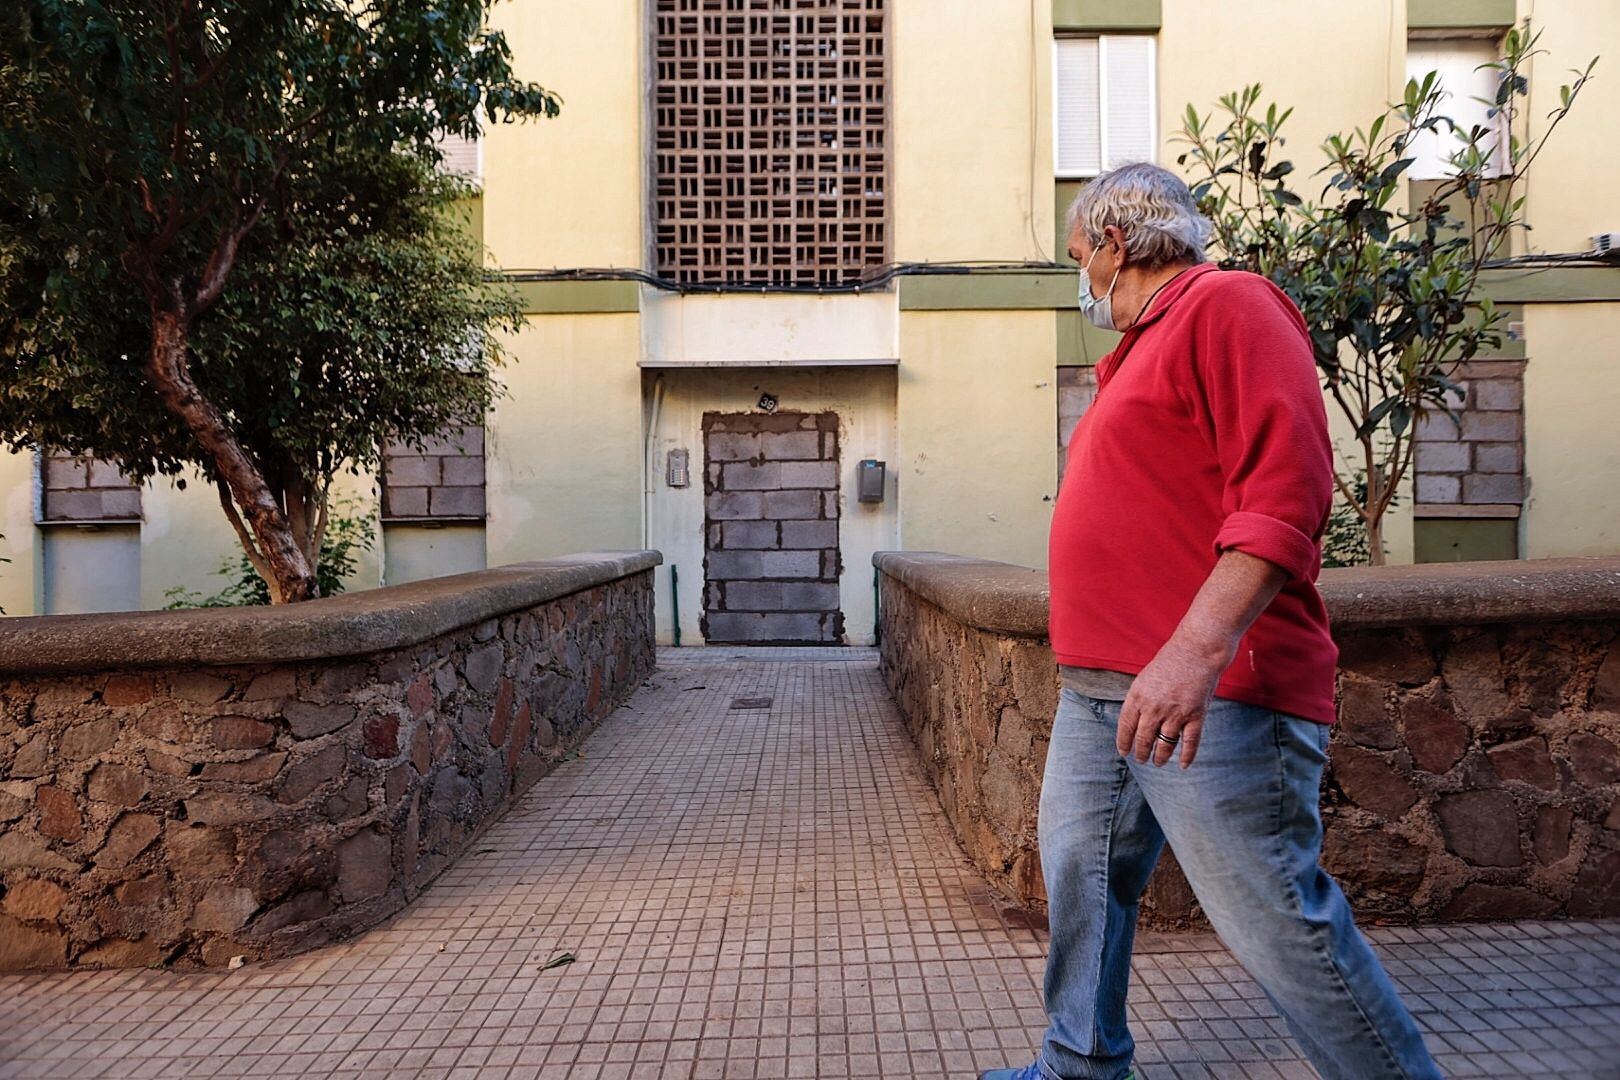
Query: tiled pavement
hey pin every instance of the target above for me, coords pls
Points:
(759, 892)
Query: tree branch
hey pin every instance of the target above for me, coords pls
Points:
(147, 202)
(295, 506)
(223, 258)
(1349, 495)
(249, 548)
(291, 577)
(321, 523)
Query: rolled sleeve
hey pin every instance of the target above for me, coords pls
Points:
(1271, 539)
(1266, 420)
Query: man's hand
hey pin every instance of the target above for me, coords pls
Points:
(1173, 692)
(1170, 695)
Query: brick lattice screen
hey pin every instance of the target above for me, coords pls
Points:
(770, 140)
(80, 488)
(1482, 464)
(444, 481)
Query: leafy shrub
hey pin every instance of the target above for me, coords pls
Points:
(350, 531)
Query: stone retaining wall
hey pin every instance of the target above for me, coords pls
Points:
(186, 787)
(1474, 774)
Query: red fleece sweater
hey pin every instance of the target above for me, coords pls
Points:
(1208, 433)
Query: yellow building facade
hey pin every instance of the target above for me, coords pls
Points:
(936, 395)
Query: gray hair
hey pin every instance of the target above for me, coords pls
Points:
(1152, 206)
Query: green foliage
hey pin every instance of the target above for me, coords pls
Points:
(1345, 543)
(351, 531)
(225, 245)
(382, 322)
(374, 318)
(1390, 294)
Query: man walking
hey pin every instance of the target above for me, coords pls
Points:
(1197, 666)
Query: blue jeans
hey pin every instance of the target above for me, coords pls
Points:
(1244, 825)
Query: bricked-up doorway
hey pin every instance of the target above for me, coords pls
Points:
(771, 562)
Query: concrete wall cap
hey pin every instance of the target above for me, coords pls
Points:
(994, 596)
(353, 624)
(1469, 593)
(1015, 600)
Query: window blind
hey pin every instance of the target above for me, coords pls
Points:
(1457, 62)
(1078, 107)
(462, 158)
(1105, 103)
(1128, 99)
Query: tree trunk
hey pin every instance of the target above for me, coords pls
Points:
(292, 576)
(1375, 541)
(304, 510)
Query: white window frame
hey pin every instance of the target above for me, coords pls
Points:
(1103, 141)
(1432, 147)
(477, 175)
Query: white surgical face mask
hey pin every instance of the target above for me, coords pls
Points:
(1100, 311)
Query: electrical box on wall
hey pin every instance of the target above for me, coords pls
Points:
(679, 475)
(869, 481)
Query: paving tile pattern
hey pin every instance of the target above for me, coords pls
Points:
(759, 891)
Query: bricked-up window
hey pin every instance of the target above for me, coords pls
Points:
(1480, 463)
(1077, 388)
(77, 488)
(444, 481)
(770, 136)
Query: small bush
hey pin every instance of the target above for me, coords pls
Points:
(1345, 543)
(350, 531)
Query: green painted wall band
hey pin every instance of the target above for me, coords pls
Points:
(468, 216)
(1004, 290)
(1553, 285)
(1063, 193)
(1016, 289)
(1082, 16)
(578, 297)
(996, 290)
(1459, 14)
(476, 220)
(1078, 342)
(1512, 348)
(1070, 16)
(1464, 539)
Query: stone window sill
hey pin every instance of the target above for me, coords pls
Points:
(1467, 510)
(431, 522)
(88, 523)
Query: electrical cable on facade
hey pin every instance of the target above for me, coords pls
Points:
(1546, 261)
(876, 279)
(881, 276)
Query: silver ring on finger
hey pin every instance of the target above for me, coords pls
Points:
(1166, 739)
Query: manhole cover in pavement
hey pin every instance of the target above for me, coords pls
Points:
(751, 702)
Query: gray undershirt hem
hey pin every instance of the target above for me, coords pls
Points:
(1099, 684)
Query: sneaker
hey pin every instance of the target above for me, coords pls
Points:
(1032, 1071)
